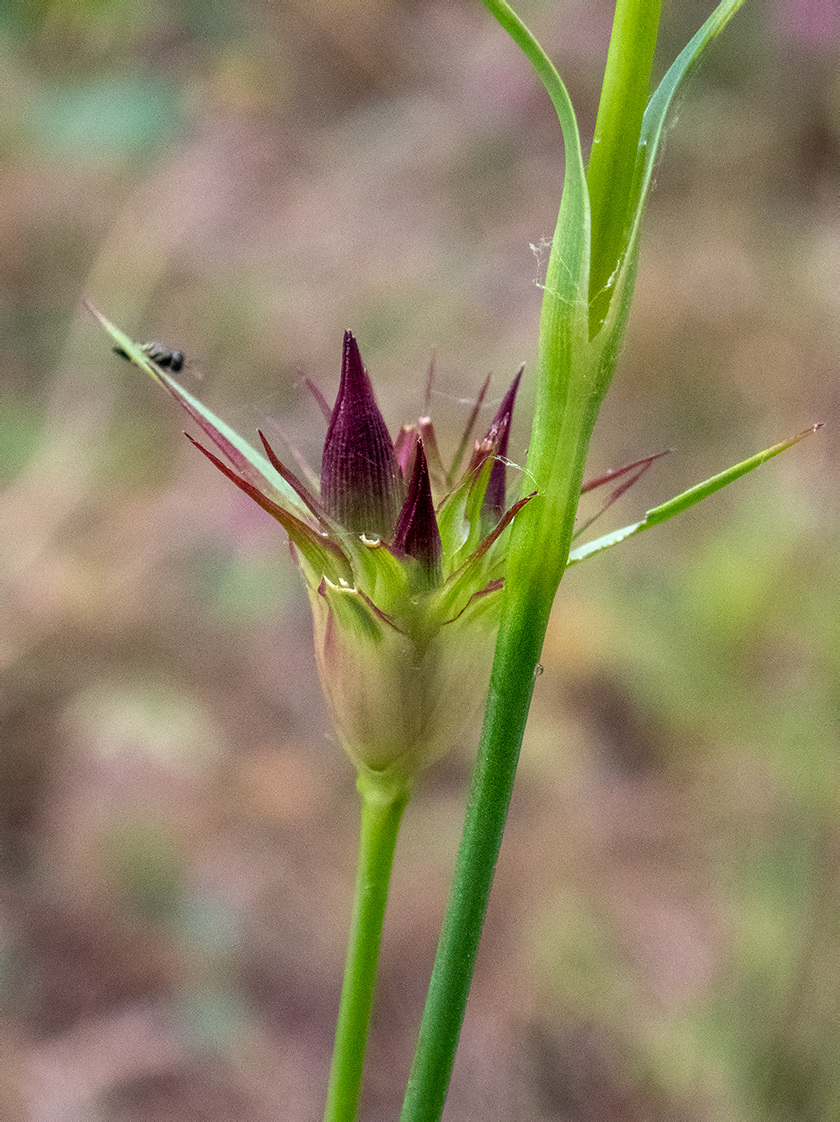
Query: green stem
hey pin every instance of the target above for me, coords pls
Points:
(382, 809)
(508, 704)
(515, 668)
(612, 162)
(575, 365)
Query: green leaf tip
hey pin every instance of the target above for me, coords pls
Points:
(687, 499)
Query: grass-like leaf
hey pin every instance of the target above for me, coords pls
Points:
(656, 114)
(687, 499)
(244, 457)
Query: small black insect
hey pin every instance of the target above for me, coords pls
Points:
(159, 354)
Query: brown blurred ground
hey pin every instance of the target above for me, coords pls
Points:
(178, 831)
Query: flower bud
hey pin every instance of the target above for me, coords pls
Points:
(405, 591)
(361, 484)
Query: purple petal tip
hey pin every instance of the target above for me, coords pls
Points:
(417, 533)
(497, 435)
(361, 483)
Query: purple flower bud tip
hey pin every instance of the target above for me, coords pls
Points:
(417, 533)
(497, 436)
(361, 482)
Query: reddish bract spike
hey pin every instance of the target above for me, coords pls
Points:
(465, 439)
(311, 544)
(497, 434)
(300, 489)
(404, 447)
(361, 484)
(417, 533)
(630, 473)
(306, 472)
(615, 473)
(505, 410)
(320, 399)
(483, 449)
(437, 472)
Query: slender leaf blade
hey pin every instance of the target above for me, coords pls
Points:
(655, 116)
(244, 457)
(687, 499)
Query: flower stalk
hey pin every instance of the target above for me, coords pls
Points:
(382, 810)
(406, 590)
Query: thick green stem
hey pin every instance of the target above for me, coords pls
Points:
(515, 669)
(575, 364)
(612, 162)
(382, 809)
(508, 704)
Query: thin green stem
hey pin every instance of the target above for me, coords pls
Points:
(382, 809)
(612, 162)
(579, 342)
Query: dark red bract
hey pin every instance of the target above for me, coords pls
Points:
(417, 533)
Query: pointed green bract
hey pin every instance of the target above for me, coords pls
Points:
(378, 571)
(687, 499)
(242, 454)
(482, 569)
(459, 517)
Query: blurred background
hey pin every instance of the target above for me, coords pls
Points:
(242, 181)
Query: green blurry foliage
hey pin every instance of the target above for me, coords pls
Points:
(715, 642)
(235, 588)
(727, 656)
(144, 858)
(20, 426)
(107, 119)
